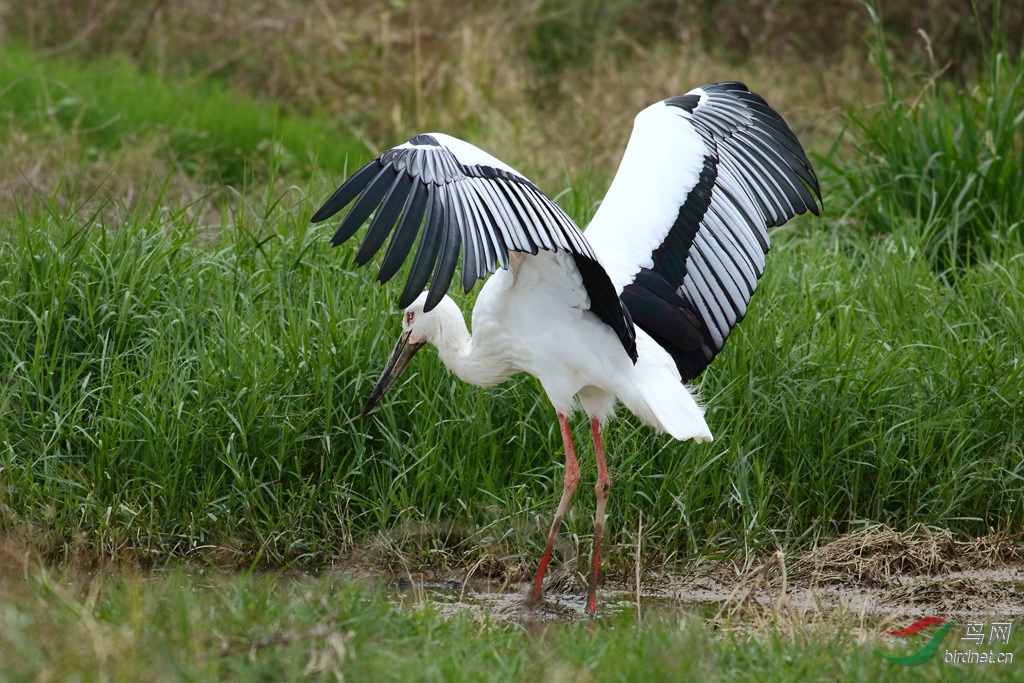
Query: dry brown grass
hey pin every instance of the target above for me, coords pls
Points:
(867, 581)
(763, 605)
(278, 44)
(360, 61)
(878, 554)
(960, 593)
(390, 70)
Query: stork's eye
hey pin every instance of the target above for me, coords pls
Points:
(408, 317)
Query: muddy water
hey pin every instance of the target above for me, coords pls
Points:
(961, 595)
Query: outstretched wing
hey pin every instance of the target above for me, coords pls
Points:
(456, 198)
(683, 230)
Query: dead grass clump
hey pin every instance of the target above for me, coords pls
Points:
(879, 554)
(762, 605)
(24, 548)
(17, 557)
(961, 593)
(744, 594)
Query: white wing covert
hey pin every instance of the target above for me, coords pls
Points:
(455, 198)
(683, 230)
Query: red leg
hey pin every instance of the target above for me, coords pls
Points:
(603, 485)
(572, 477)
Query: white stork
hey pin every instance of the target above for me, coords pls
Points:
(629, 310)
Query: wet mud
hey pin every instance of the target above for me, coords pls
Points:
(877, 575)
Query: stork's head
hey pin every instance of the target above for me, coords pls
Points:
(418, 328)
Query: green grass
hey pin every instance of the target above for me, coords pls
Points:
(948, 160)
(208, 129)
(170, 388)
(213, 627)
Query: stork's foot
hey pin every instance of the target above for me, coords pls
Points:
(547, 608)
(531, 601)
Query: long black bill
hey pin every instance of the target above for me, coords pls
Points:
(400, 357)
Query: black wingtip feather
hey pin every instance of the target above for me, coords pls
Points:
(405, 234)
(478, 210)
(430, 243)
(446, 262)
(348, 191)
(365, 205)
(384, 220)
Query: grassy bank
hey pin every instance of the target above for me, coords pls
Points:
(170, 389)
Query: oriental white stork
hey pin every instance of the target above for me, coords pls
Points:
(630, 309)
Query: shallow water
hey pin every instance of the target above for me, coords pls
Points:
(974, 593)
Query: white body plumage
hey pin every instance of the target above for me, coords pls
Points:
(519, 325)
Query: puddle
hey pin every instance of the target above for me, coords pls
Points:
(966, 594)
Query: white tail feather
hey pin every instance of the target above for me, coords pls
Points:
(662, 399)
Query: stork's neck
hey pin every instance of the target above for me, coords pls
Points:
(471, 359)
